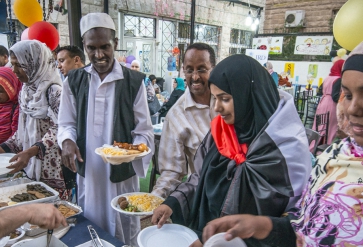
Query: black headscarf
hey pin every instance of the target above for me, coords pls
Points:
(253, 90)
(255, 99)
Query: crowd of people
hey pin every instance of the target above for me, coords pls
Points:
(235, 137)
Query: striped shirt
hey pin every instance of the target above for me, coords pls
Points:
(185, 127)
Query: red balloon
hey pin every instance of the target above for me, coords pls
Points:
(44, 32)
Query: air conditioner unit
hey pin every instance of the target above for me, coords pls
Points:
(294, 18)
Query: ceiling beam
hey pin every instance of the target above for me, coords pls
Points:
(242, 3)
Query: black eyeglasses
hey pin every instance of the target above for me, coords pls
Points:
(190, 72)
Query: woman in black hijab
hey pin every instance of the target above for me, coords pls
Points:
(248, 158)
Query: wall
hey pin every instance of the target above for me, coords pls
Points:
(318, 14)
(207, 12)
(218, 13)
(301, 70)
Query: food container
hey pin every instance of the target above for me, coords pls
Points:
(32, 230)
(14, 240)
(70, 205)
(7, 192)
(6, 182)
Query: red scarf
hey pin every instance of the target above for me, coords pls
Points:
(226, 140)
(9, 113)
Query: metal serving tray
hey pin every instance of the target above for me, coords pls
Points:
(7, 192)
(70, 205)
(5, 182)
(32, 230)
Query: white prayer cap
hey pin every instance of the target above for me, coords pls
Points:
(93, 20)
(135, 62)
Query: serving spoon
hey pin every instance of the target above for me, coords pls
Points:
(49, 236)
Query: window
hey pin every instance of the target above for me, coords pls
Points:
(240, 40)
(136, 26)
(202, 33)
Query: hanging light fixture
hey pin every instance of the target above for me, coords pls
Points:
(257, 21)
(253, 27)
(249, 19)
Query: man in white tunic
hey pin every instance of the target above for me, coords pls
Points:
(101, 103)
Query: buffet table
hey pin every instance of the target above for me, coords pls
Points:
(79, 233)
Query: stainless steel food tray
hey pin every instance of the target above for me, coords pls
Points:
(32, 230)
(7, 192)
(74, 207)
(6, 182)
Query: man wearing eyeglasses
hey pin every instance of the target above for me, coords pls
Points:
(187, 122)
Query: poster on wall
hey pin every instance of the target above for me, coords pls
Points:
(313, 45)
(272, 44)
(290, 69)
(260, 55)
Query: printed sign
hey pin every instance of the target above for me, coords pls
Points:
(260, 55)
(272, 44)
(289, 69)
(313, 45)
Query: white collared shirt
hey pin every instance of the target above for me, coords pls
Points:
(100, 115)
(184, 128)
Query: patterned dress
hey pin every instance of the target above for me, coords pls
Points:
(49, 151)
(330, 210)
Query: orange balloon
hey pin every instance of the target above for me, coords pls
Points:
(28, 11)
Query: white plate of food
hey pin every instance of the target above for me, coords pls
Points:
(119, 153)
(168, 235)
(136, 203)
(15, 236)
(218, 240)
(4, 162)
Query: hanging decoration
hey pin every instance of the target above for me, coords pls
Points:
(129, 59)
(176, 51)
(348, 24)
(25, 34)
(176, 54)
(44, 32)
(50, 10)
(27, 11)
(11, 26)
(37, 29)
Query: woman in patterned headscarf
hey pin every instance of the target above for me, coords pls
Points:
(10, 87)
(329, 212)
(35, 141)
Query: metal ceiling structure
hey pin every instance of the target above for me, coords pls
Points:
(242, 3)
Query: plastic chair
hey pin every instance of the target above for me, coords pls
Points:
(304, 96)
(155, 166)
(296, 94)
(322, 127)
(312, 135)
